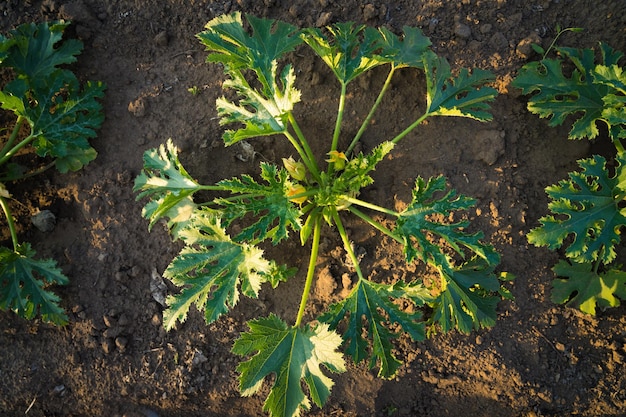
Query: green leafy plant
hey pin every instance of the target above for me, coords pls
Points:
(588, 209)
(55, 116)
(218, 263)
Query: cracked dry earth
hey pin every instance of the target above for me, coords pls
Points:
(115, 359)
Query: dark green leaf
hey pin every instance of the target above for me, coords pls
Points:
(210, 269)
(275, 213)
(348, 49)
(464, 95)
(230, 44)
(558, 96)
(23, 282)
(585, 207)
(405, 51)
(426, 219)
(31, 49)
(584, 288)
(371, 306)
(468, 298)
(293, 355)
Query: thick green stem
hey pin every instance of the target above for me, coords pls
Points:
(305, 145)
(369, 116)
(310, 271)
(310, 163)
(14, 133)
(370, 206)
(374, 223)
(337, 131)
(347, 245)
(8, 154)
(410, 128)
(7, 212)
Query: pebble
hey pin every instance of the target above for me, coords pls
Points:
(490, 145)
(161, 39)
(498, 41)
(121, 342)
(323, 19)
(369, 12)
(524, 48)
(462, 31)
(107, 345)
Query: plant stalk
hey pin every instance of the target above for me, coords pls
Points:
(305, 145)
(310, 271)
(374, 223)
(347, 245)
(370, 206)
(337, 131)
(310, 163)
(410, 128)
(369, 116)
(7, 212)
(14, 133)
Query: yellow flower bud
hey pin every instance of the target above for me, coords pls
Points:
(337, 158)
(296, 190)
(295, 168)
(4, 192)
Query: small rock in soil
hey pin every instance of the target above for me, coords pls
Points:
(161, 39)
(489, 145)
(44, 220)
(107, 345)
(323, 19)
(121, 342)
(369, 12)
(524, 48)
(462, 31)
(158, 289)
(498, 41)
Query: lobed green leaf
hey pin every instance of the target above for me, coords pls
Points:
(348, 49)
(23, 280)
(294, 355)
(584, 288)
(469, 297)
(424, 220)
(168, 185)
(585, 91)
(464, 95)
(262, 112)
(270, 203)
(229, 43)
(587, 208)
(370, 308)
(211, 269)
(30, 49)
(407, 51)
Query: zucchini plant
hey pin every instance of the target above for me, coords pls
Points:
(54, 117)
(219, 263)
(588, 209)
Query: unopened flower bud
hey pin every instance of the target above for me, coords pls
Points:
(295, 168)
(337, 158)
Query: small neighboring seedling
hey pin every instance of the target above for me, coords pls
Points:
(588, 209)
(214, 268)
(61, 115)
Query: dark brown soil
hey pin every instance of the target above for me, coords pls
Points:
(115, 359)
